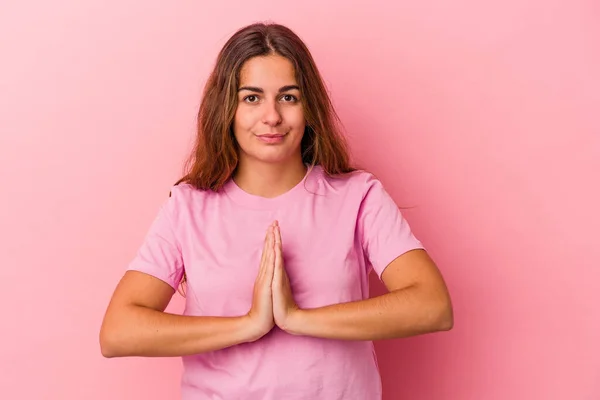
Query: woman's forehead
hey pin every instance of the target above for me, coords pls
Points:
(268, 73)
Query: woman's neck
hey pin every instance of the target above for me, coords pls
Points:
(268, 179)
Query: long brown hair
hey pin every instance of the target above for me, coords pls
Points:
(215, 154)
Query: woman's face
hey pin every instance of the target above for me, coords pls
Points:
(269, 119)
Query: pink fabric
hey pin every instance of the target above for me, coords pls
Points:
(334, 231)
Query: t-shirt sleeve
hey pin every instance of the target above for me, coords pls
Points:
(384, 232)
(160, 253)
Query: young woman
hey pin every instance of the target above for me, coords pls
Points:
(274, 235)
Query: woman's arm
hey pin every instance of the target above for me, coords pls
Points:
(135, 323)
(418, 302)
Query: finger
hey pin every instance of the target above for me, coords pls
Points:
(270, 264)
(278, 266)
(278, 253)
(265, 252)
(277, 236)
(278, 247)
(265, 246)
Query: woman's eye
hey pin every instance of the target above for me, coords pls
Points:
(288, 98)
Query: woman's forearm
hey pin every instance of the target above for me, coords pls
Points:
(397, 314)
(142, 331)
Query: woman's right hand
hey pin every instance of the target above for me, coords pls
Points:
(261, 314)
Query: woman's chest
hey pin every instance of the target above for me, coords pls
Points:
(323, 260)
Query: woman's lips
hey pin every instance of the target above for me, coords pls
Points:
(271, 138)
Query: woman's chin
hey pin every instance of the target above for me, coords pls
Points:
(272, 155)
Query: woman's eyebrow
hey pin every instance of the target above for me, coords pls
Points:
(260, 90)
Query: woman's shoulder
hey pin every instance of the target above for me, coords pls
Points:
(181, 190)
(358, 180)
(184, 190)
(185, 196)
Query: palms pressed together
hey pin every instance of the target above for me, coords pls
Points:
(273, 302)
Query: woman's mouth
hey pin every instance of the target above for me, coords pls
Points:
(271, 138)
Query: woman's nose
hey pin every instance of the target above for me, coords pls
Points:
(272, 115)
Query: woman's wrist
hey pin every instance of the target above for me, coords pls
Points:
(251, 329)
(294, 322)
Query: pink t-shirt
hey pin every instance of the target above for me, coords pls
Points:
(334, 232)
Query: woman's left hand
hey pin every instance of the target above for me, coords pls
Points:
(284, 305)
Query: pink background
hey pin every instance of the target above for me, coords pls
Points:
(481, 116)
